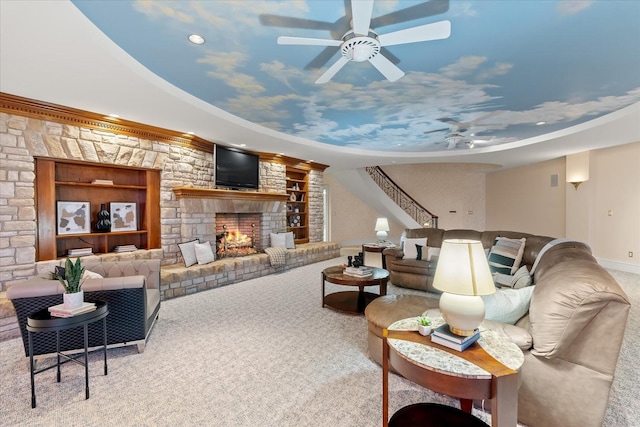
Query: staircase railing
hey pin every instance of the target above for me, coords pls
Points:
(407, 203)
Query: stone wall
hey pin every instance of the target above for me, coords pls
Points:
(22, 138)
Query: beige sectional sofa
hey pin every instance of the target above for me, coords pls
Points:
(131, 288)
(571, 335)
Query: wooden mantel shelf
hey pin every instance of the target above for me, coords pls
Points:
(205, 193)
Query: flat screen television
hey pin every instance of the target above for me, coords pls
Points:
(236, 169)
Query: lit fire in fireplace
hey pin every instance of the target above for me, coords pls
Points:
(234, 243)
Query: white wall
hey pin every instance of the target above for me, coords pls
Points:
(524, 199)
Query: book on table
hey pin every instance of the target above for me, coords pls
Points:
(60, 310)
(454, 345)
(444, 332)
(358, 271)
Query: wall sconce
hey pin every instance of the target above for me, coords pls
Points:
(382, 226)
(577, 168)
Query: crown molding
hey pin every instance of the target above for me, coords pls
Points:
(13, 104)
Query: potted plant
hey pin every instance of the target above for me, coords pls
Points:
(424, 325)
(73, 296)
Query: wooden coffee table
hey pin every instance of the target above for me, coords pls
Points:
(353, 302)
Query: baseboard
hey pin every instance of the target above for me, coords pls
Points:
(619, 265)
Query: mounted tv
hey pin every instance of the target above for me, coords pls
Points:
(236, 169)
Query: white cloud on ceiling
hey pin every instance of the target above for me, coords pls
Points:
(572, 7)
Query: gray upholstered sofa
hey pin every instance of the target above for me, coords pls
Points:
(131, 288)
(570, 337)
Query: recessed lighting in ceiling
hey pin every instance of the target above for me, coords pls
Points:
(196, 39)
(540, 123)
(113, 116)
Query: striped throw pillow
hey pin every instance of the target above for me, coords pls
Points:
(506, 254)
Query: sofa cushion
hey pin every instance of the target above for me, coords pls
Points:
(506, 254)
(567, 300)
(507, 305)
(410, 248)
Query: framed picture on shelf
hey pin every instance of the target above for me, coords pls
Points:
(124, 216)
(74, 217)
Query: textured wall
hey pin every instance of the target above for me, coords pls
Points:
(21, 138)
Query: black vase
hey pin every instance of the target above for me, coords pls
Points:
(104, 222)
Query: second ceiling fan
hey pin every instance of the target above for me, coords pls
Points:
(362, 43)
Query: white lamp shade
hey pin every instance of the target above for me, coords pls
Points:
(463, 269)
(382, 224)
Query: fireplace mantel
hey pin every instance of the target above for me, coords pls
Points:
(205, 193)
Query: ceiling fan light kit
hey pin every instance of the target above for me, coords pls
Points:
(362, 43)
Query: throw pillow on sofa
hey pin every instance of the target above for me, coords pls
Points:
(506, 254)
(507, 305)
(411, 252)
(519, 280)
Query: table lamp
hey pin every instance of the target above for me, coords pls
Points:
(382, 226)
(463, 275)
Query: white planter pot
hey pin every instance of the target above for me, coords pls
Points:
(74, 300)
(424, 330)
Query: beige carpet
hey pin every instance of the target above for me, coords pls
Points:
(257, 353)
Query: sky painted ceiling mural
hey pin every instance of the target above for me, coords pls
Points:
(506, 67)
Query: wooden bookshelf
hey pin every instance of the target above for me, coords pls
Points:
(71, 181)
(298, 204)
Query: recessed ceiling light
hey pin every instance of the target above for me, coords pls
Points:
(114, 116)
(191, 133)
(540, 123)
(196, 39)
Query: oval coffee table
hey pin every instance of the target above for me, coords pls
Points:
(353, 302)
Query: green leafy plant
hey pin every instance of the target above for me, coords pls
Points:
(72, 279)
(424, 321)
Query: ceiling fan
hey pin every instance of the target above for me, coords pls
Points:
(338, 28)
(457, 130)
(361, 43)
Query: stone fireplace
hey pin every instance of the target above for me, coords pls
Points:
(240, 221)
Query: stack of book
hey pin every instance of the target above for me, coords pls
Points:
(60, 310)
(445, 337)
(102, 181)
(80, 252)
(125, 248)
(358, 271)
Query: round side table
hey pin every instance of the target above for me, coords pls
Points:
(43, 321)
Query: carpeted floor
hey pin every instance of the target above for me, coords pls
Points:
(257, 353)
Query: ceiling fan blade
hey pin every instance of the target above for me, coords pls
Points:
(307, 41)
(332, 70)
(436, 31)
(436, 130)
(390, 56)
(361, 11)
(386, 67)
(322, 58)
(289, 22)
(422, 10)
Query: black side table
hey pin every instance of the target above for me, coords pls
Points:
(43, 321)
